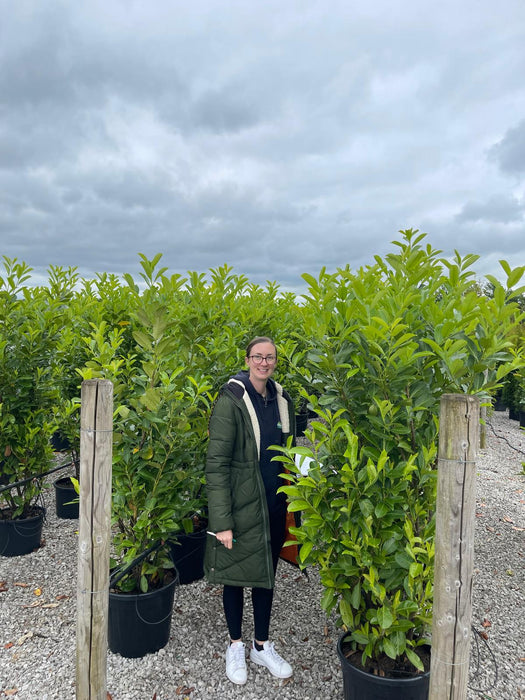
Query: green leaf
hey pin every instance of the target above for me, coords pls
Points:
(414, 659)
(384, 617)
(305, 550)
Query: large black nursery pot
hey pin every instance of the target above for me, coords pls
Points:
(139, 623)
(359, 685)
(522, 419)
(301, 423)
(59, 442)
(514, 413)
(66, 498)
(22, 535)
(187, 554)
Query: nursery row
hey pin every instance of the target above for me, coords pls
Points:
(369, 351)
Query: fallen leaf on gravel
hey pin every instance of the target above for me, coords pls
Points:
(108, 695)
(9, 693)
(8, 645)
(37, 591)
(34, 604)
(509, 572)
(21, 585)
(490, 529)
(484, 635)
(518, 529)
(184, 690)
(62, 597)
(24, 638)
(507, 519)
(486, 623)
(3, 586)
(51, 605)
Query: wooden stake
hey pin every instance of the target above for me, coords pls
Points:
(96, 422)
(483, 427)
(454, 559)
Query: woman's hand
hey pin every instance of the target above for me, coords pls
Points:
(226, 538)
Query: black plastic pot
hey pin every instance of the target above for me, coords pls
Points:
(187, 555)
(21, 536)
(301, 423)
(522, 419)
(64, 495)
(513, 413)
(139, 623)
(359, 685)
(59, 442)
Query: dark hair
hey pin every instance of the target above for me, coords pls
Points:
(260, 339)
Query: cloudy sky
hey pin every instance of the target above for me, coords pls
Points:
(277, 136)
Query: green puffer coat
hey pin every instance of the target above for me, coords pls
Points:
(236, 495)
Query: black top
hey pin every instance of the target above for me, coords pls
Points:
(267, 412)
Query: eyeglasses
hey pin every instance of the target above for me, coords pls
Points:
(270, 359)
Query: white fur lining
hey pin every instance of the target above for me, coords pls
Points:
(283, 409)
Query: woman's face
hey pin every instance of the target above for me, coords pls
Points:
(264, 369)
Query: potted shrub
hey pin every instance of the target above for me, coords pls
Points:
(27, 396)
(158, 464)
(386, 342)
(294, 375)
(67, 487)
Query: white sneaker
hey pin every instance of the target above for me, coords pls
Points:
(236, 663)
(268, 657)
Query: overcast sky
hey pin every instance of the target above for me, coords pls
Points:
(275, 136)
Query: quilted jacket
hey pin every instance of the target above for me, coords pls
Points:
(235, 489)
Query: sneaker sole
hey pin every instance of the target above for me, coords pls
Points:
(235, 681)
(257, 661)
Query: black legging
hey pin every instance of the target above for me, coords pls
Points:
(262, 598)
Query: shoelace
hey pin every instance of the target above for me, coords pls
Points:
(237, 653)
(274, 654)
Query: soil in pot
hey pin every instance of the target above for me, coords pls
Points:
(139, 623)
(398, 683)
(20, 536)
(65, 499)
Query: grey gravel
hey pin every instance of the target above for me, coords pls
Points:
(37, 633)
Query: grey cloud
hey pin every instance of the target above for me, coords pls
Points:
(502, 209)
(509, 153)
(277, 138)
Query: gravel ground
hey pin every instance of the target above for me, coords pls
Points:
(37, 632)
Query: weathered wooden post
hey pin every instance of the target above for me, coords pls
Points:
(96, 421)
(483, 427)
(454, 560)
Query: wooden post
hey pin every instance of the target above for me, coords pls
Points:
(96, 421)
(454, 559)
(483, 427)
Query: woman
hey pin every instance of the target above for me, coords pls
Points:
(245, 511)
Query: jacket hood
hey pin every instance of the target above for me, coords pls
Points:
(244, 377)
